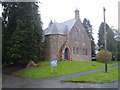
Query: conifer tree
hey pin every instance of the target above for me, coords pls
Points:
(8, 27)
(117, 38)
(111, 42)
(25, 41)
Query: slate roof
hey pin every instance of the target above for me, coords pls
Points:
(60, 28)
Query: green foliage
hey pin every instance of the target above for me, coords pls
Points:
(22, 32)
(63, 68)
(101, 36)
(103, 56)
(118, 52)
(111, 42)
(88, 28)
(8, 27)
(99, 76)
(117, 38)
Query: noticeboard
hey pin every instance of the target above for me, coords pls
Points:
(53, 62)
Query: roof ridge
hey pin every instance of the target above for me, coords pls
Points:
(61, 28)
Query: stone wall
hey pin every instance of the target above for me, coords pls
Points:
(76, 41)
(53, 45)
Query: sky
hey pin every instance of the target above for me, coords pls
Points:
(63, 10)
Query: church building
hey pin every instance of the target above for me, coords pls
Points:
(67, 41)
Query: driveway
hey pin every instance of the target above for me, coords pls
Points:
(10, 81)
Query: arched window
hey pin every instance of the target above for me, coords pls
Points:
(83, 51)
(80, 50)
(76, 36)
(77, 50)
(86, 51)
(82, 38)
(73, 50)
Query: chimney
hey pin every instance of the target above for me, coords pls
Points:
(76, 14)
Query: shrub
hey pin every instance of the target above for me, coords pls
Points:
(101, 56)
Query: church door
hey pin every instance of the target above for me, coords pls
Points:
(66, 53)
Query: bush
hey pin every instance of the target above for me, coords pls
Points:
(101, 56)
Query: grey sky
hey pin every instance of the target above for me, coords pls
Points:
(63, 10)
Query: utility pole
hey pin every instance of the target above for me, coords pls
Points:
(105, 41)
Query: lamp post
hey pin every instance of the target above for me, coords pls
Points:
(105, 41)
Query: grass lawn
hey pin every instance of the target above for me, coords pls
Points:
(63, 68)
(99, 76)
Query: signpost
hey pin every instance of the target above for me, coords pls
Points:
(53, 64)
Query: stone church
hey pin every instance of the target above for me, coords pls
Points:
(67, 41)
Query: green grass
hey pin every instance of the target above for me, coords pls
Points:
(63, 68)
(99, 76)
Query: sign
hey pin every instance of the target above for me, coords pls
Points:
(53, 62)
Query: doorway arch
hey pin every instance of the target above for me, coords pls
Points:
(66, 54)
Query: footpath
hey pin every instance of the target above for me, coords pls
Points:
(79, 74)
(11, 81)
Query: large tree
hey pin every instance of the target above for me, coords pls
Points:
(22, 32)
(117, 38)
(8, 27)
(88, 28)
(111, 42)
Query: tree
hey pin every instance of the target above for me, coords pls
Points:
(118, 51)
(111, 42)
(101, 36)
(88, 28)
(117, 38)
(8, 27)
(100, 56)
(25, 41)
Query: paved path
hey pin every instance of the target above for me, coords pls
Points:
(78, 74)
(10, 81)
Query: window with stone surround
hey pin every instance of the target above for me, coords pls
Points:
(76, 36)
(82, 38)
(77, 50)
(83, 51)
(86, 51)
(73, 50)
